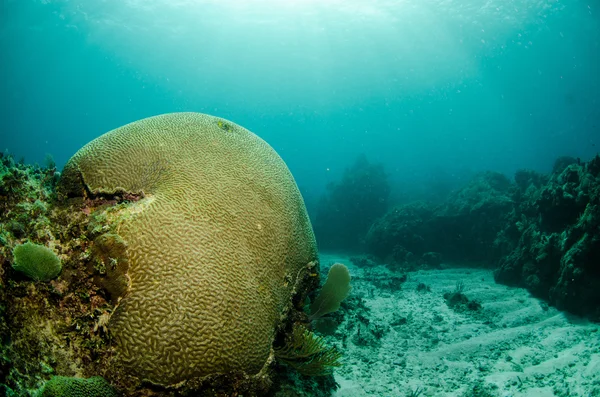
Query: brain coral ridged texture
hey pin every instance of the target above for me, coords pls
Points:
(215, 245)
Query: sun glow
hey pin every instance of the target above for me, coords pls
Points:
(259, 6)
(282, 3)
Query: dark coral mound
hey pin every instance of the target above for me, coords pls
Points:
(345, 213)
(463, 228)
(467, 224)
(541, 232)
(402, 233)
(557, 232)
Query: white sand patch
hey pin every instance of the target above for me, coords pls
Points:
(515, 346)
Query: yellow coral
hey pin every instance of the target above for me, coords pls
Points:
(212, 245)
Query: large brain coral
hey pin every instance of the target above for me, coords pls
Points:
(215, 245)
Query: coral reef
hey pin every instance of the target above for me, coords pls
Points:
(462, 228)
(55, 327)
(459, 302)
(230, 223)
(400, 232)
(174, 281)
(555, 233)
(466, 225)
(345, 213)
(540, 232)
(563, 162)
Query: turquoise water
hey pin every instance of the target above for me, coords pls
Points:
(432, 89)
(425, 93)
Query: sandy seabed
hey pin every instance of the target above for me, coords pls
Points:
(515, 345)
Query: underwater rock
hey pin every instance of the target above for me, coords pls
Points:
(432, 259)
(463, 228)
(557, 233)
(400, 231)
(46, 328)
(466, 225)
(345, 213)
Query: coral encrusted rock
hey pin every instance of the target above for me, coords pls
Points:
(217, 238)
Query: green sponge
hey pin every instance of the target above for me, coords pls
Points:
(36, 261)
(64, 386)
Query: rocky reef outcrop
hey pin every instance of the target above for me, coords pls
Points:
(463, 228)
(349, 207)
(541, 232)
(555, 230)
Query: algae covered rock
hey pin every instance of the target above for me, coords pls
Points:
(467, 224)
(217, 240)
(36, 261)
(45, 327)
(345, 213)
(463, 228)
(556, 227)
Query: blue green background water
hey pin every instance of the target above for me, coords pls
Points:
(434, 89)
